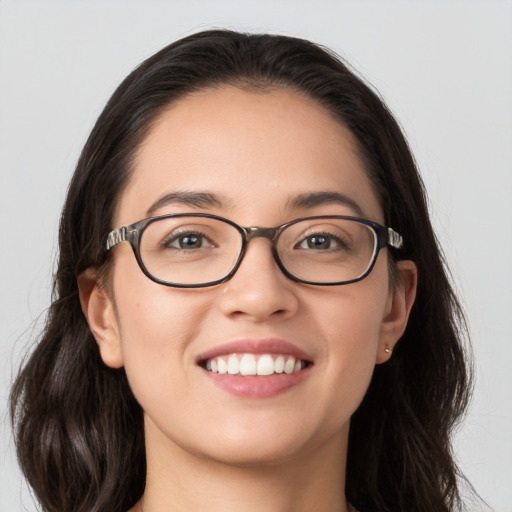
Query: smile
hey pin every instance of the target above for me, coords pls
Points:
(255, 364)
(256, 369)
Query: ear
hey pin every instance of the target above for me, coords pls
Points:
(399, 306)
(99, 310)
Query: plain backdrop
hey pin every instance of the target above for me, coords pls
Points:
(445, 69)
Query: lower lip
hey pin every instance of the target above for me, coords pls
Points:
(257, 386)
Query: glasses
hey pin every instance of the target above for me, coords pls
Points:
(198, 250)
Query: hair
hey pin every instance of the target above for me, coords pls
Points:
(79, 429)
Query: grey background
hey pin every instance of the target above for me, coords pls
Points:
(445, 69)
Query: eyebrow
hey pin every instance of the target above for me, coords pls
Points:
(310, 200)
(195, 199)
(210, 200)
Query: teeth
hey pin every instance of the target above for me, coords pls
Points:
(289, 365)
(249, 364)
(265, 365)
(233, 365)
(222, 366)
(279, 364)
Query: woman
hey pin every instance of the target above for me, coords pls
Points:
(251, 310)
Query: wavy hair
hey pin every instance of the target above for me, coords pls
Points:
(78, 428)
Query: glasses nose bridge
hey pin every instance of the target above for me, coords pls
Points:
(257, 232)
(271, 234)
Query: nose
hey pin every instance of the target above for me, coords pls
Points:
(259, 290)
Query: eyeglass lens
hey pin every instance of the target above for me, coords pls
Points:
(196, 250)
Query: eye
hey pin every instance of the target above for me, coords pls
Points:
(187, 241)
(321, 241)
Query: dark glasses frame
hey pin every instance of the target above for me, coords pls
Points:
(384, 236)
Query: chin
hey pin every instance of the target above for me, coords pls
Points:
(264, 443)
(251, 453)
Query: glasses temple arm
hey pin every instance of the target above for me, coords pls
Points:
(394, 239)
(115, 237)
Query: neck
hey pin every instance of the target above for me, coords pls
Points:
(180, 480)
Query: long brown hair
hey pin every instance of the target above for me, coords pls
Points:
(79, 430)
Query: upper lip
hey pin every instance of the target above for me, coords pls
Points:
(252, 346)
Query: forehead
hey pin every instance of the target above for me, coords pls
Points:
(255, 151)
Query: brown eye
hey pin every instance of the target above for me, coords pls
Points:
(321, 241)
(318, 242)
(187, 241)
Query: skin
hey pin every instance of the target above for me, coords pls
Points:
(207, 449)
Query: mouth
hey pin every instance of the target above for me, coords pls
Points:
(256, 368)
(249, 364)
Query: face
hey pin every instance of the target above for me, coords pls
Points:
(255, 153)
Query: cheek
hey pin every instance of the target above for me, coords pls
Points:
(151, 317)
(350, 322)
(351, 318)
(156, 326)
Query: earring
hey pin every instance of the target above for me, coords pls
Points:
(387, 350)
